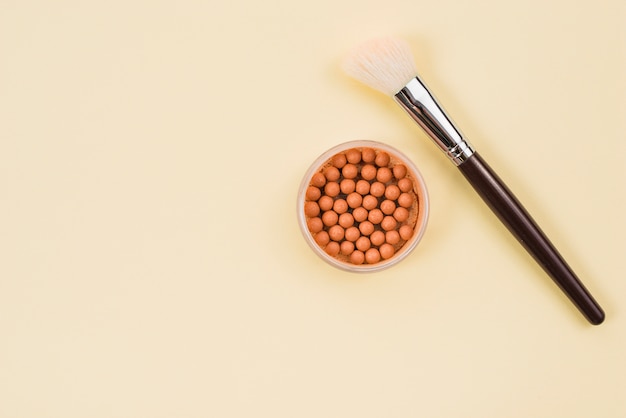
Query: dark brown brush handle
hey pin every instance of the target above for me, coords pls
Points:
(500, 199)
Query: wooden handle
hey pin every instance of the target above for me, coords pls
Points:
(509, 210)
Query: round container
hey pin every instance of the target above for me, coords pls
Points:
(334, 157)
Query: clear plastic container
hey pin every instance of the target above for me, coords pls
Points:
(420, 217)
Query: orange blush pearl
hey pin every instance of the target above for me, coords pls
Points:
(406, 232)
(382, 159)
(340, 206)
(363, 244)
(313, 193)
(326, 203)
(388, 207)
(386, 251)
(405, 200)
(377, 189)
(349, 171)
(346, 247)
(375, 216)
(392, 192)
(370, 202)
(353, 156)
(347, 186)
(357, 257)
(322, 238)
(362, 187)
(377, 238)
(336, 233)
(311, 209)
(368, 155)
(384, 175)
(318, 180)
(332, 173)
(339, 160)
(352, 233)
(399, 171)
(372, 256)
(388, 223)
(405, 184)
(360, 214)
(354, 200)
(315, 225)
(332, 189)
(366, 227)
(346, 220)
(332, 248)
(392, 237)
(401, 214)
(368, 172)
(330, 218)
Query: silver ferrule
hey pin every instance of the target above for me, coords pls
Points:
(424, 109)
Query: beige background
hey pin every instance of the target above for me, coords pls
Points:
(150, 260)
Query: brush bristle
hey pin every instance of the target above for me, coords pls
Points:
(384, 64)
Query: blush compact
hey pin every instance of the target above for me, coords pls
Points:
(362, 206)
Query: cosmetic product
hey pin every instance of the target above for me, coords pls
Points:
(362, 206)
(387, 65)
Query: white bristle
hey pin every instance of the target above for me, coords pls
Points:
(384, 64)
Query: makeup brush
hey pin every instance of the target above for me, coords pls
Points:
(387, 65)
